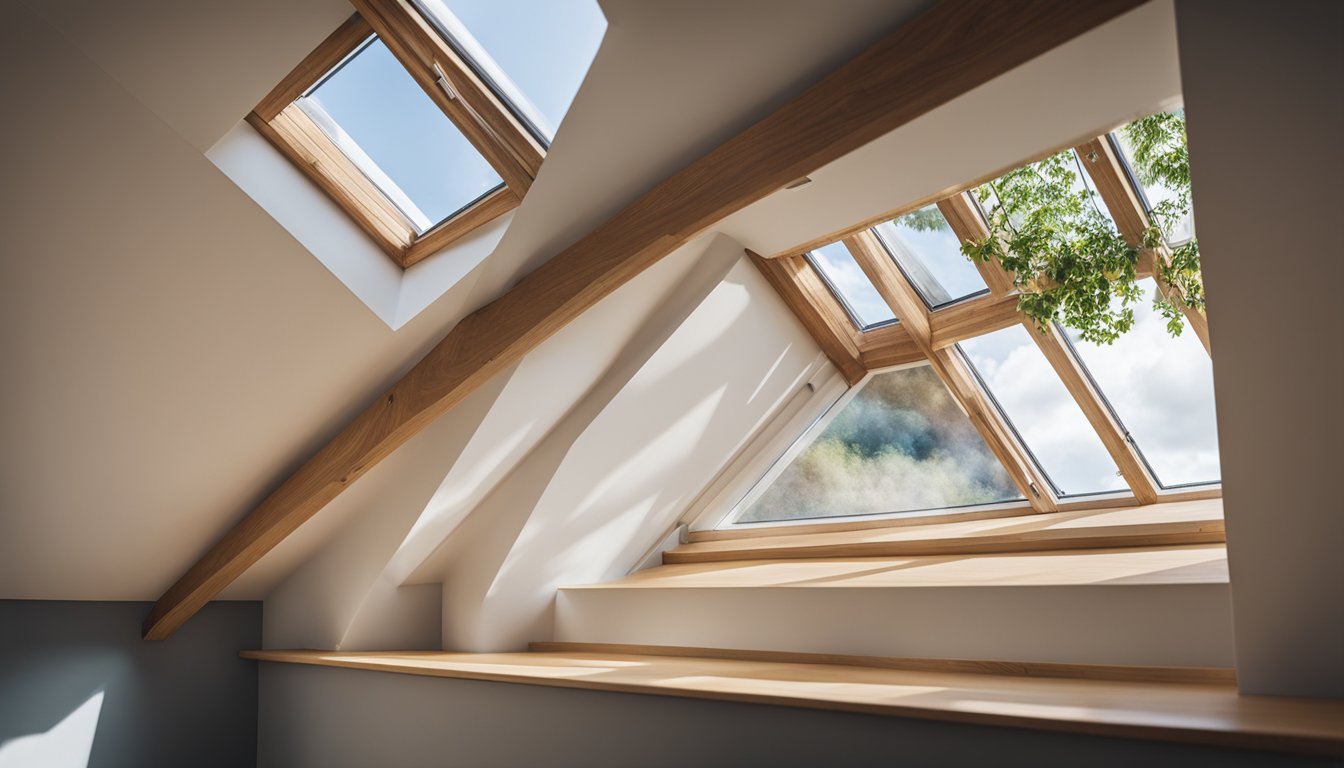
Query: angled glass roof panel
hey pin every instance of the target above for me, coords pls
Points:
(928, 252)
(901, 444)
(379, 117)
(1161, 389)
(534, 54)
(1078, 179)
(1045, 416)
(851, 286)
(1157, 192)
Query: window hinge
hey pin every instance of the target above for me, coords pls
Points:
(442, 80)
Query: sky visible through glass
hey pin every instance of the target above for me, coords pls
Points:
(900, 445)
(536, 51)
(415, 148)
(1162, 390)
(1043, 412)
(929, 253)
(855, 290)
(1182, 230)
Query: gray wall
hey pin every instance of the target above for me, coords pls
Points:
(323, 717)
(1266, 117)
(186, 701)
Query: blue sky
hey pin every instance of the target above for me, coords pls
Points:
(543, 47)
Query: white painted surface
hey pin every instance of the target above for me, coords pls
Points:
(1185, 624)
(1265, 118)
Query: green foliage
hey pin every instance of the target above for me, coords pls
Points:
(928, 219)
(1071, 263)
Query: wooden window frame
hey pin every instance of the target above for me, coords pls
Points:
(481, 115)
(923, 334)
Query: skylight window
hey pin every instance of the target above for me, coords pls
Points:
(900, 445)
(1157, 193)
(851, 286)
(420, 138)
(533, 54)
(1038, 406)
(929, 253)
(1161, 389)
(380, 119)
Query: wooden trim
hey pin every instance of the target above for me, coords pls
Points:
(754, 531)
(944, 52)
(1210, 713)
(305, 145)
(1174, 524)
(971, 318)
(888, 346)
(799, 286)
(1054, 670)
(299, 139)
(1122, 200)
(905, 302)
(1113, 436)
(969, 226)
(478, 112)
(326, 55)
(480, 213)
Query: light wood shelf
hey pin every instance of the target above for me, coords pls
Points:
(1196, 713)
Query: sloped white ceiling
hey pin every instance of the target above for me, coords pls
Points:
(170, 353)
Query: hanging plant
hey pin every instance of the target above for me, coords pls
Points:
(1070, 262)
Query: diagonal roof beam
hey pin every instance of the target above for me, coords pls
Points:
(944, 52)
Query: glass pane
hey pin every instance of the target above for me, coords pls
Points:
(380, 118)
(534, 53)
(1162, 390)
(900, 445)
(1158, 192)
(851, 286)
(1080, 184)
(1045, 415)
(927, 250)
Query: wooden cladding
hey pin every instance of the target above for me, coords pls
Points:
(478, 113)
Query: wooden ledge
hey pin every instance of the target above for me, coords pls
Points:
(1115, 672)
(1180, 523)
(1210, 714)
(1146, 567)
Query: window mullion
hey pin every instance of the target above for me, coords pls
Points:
(1126, 206)
(952, 369)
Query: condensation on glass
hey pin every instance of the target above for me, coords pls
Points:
(533, 54)
(371, 108)
(929, 253)
(901, 444)
(1029, 393)
(1161, 389)
(851, 286)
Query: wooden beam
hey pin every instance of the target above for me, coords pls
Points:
(941, 54)
(964, 217)
(801, 289)
(904, 300)
(975, 317)
(1070, 371)
(1122, 200)
(888, 346)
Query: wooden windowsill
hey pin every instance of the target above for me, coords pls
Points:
(1167, 524)
(1196, 713)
